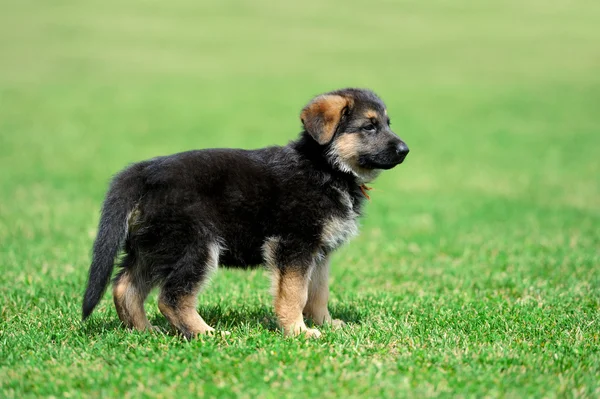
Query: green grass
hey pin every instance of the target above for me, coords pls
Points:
(477, 269)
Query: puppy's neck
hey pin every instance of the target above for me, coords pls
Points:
(325, 159)
(320, 158)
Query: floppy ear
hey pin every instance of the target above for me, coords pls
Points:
(322, 115)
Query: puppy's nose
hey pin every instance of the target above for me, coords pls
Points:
(402, 149)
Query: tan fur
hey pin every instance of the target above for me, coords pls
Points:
(129, 300)
(371, 114)
(321, 116)
(318, 297)
(290, 292)
(290, 299)
(345, 150)
(185, 317)
(347, 147)
(318, 294)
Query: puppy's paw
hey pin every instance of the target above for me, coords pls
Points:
(199, 333)
(218, 333)
(302, 329)
(337, 323)
(156, 330)
(312, 333)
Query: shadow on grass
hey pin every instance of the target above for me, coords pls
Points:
(265, 316)
(95, 326)
(225, 319)
(349, 313)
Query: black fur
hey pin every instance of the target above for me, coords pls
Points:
(112, 231)
(165, 212)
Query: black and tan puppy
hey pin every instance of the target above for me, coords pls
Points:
(179, 217)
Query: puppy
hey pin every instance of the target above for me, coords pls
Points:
(178, 217)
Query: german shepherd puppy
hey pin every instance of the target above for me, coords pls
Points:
(178, 217)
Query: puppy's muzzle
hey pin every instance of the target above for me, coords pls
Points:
(393, 155)
(401, 151)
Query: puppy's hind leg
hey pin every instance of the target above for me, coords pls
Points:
(130, 290)
(178, 296)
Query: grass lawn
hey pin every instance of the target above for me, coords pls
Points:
(477, 271)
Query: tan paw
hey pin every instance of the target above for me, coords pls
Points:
(302, 329)
(312, 333)
(190, 335)
(156, 329)
(211, 332)
(224, 334)
(337, 323)
(216, 333)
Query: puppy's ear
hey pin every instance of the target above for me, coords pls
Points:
(322, 116)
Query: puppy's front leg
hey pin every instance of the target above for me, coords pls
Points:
(291, 294)
(318, 296)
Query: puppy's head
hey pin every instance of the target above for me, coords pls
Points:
(354, 126)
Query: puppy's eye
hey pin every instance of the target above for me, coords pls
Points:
(369, 128)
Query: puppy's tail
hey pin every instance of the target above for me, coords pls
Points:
(112, 231)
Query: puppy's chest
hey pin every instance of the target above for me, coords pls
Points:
(338, 230)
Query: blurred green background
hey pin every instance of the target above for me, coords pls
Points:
(477, 268)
